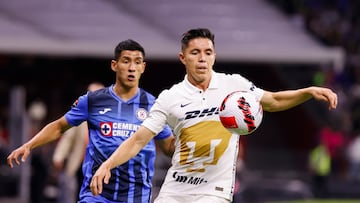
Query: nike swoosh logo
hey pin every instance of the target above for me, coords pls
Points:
(183, 105)
(105, 110)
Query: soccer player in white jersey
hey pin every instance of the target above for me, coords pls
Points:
(203, 165)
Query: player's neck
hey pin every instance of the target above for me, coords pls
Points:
(125, 93)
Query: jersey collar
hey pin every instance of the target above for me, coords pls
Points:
(214, 83)
(111, 89)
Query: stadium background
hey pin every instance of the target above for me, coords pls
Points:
(276, 155)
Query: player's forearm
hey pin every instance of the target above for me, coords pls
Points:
(284, 100)
(129, 148)
(167, 146)
(48, 134)
(291, 98)
(121, 155)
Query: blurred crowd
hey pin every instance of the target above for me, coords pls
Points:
(336, 23)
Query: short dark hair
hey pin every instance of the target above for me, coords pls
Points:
(196, 33)
(128, 44)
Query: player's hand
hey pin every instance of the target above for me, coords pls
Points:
(22, 151)
(325, 94)
(102, 175)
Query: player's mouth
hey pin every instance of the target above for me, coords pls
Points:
(131, 77)
(201, 68)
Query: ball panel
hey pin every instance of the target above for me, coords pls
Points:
(229, 122)
(240, 112)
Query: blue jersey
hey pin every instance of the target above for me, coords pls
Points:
(111, 121)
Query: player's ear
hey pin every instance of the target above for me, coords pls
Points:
(144, 67)
(182, 57)
(214, 60)
(113, 65)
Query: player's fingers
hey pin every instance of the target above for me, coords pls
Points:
(10, 159)
(332, 99)
(332, 105)
(13, 157)
(10, 164)
(25, 155)
(335, 103)
(99, 185)
(93, 186)
(107, 178)
(328, 96)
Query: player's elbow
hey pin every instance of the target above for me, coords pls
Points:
(167, 146)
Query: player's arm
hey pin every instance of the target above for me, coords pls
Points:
(122, 154)
(167, 146)
(283, 100)
(50, 132)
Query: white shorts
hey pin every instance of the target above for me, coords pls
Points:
(178, 198)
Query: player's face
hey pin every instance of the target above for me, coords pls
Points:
(199, 58)
(129, 67)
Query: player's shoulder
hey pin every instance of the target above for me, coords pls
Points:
(145, 93)
(104, 90)
(227, 76)
(99, 95)
(174, 90)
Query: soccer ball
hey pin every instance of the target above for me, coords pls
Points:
(241, 113)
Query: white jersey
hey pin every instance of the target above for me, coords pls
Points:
(205, 156)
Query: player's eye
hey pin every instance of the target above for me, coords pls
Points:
(194, 52)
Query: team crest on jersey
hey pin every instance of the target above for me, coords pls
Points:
(141, 114)
(106, 128)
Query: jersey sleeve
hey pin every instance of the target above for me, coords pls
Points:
(156, 121)
(249, 86)
(78, 112)
(165, 133)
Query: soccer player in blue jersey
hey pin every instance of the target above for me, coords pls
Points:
(113, 114)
